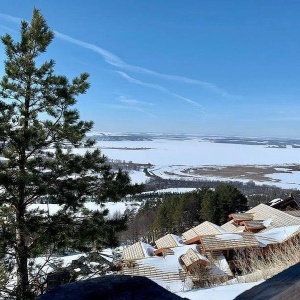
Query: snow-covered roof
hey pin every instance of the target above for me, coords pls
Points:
(229, 236)
(284, 202)
(257, 225)
(277, 235)
(275, 201)
(167, 271)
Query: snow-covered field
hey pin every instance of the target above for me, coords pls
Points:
(197, 152)
(171, 157)
(224, 292)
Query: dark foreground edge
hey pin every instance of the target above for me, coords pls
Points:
(119, 287)
(285, 285)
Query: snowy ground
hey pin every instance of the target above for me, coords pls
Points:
(224, 292)
(138, 177)
(172, 190)
(197, 152)
(228, 291)
(171, 157)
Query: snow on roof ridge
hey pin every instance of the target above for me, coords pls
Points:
(270, 208)
(222, 230)
(276, 200)
(229, 236)
(177, 239)
(276, 235)
(267, 222)
(145, 248)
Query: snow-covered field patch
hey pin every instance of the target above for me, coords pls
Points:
(224, 292)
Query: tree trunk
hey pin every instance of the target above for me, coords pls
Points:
(21, 259)
(23, 291)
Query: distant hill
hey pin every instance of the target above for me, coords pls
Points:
(268, 142)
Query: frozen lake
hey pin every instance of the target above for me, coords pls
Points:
(197, 152)
(174, 156)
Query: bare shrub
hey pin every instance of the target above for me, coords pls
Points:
(260, 265)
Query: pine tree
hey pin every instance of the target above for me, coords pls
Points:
(37, 113)
(230, 200)
(217, 205)
(210, 210)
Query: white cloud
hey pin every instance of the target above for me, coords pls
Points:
(159, 88)
(133, 102)
(115, 61)
(11, 18)
(142, 83)
(134, 108)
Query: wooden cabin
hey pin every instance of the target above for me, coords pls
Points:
(290, 203)
(239, 218)
(253, 226)
(260, 212)
(193, 259)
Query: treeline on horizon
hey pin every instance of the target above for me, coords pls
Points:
(255, 194)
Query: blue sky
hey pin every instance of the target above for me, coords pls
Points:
(177, 66)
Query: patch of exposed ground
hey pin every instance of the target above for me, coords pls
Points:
(246, 172)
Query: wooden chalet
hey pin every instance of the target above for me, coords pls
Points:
(290, 203)
(227, 247)
(254, 226)
(136, 251)
(209, 252)
(273, 218)
(165, 243)
(163, 251)
(192, 259)
(238, 218)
